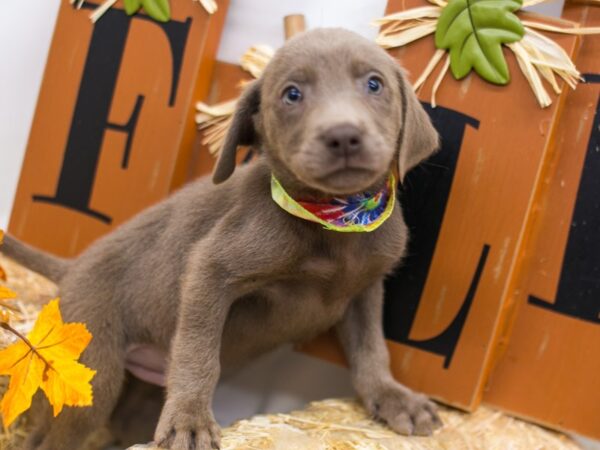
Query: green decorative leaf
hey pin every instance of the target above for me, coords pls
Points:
(157, 9)
(132, 6)
(474, 31)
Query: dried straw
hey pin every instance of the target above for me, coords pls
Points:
(100, 10)
(538, 56)
(214, 120)
(345, 425)
(33, 292)
(256, 59)
(568, 30)
(325, 425)
(530, 74)
(438, 81)
(79, 3)
(404, 27)
(209, 5)
(435, 59)
(529, 3)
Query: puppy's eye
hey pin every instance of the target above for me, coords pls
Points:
(374, 85)
(292, 95)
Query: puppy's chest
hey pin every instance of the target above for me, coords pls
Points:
(348, 272)
(312, 291)
(331, 275)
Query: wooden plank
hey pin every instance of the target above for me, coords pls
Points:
(469, 209)
(551, 354)
(114, 124)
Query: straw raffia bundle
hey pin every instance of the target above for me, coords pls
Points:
(34, 291)
(345, 425)
(214, 120)
(325, 425)
(209, 5)
(538, 56)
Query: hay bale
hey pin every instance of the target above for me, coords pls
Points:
(34, 291)
(325, 425)
(345, 425)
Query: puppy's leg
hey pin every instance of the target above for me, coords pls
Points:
(105, 354)
(40, 415)
(361, 335)
(135, 416)
(186, 421)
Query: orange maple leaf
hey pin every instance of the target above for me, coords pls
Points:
(46, 359)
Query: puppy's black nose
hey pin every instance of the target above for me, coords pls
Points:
(343, 140)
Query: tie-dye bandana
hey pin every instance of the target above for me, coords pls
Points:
(356, 213)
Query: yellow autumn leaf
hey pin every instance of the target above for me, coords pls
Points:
(68, 384)
(26, 374)
(47, 361)
(6, 293)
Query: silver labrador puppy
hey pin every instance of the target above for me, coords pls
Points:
(220, 273)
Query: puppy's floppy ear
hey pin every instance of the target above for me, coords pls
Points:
(418, 138)
(241, 131)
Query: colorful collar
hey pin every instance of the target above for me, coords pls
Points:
(356, 213)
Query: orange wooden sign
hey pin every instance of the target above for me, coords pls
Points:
(114, 124)
(468, 209)
(550, 368)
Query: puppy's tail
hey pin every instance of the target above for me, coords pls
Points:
(52, 267)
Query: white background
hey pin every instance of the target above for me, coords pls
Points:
(283, 380)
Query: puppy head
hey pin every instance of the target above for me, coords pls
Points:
(332, 110)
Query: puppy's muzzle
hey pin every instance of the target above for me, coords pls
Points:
(343, 140)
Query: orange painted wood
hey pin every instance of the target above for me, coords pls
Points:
(498, 172)
(54, 187)
(549, 371)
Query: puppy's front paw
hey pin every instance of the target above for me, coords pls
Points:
(180, 430)
(404, 411)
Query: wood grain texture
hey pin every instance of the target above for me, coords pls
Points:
(499, 166)
(550, 360)
(94, 76)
